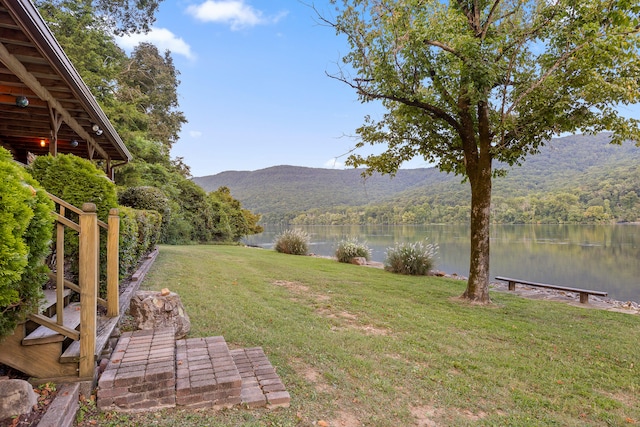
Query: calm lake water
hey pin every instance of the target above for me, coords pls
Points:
(600, 257)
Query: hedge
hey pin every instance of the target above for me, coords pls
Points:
(26, 226)
(147, 198)
(139, 233)
(77, 181)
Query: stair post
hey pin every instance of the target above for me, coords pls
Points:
(113, 273)
(60, 270)
(88, 281)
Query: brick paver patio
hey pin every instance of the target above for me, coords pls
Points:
(150, 370)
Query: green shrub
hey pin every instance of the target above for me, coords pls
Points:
(416, 259)
(293, 242)
(197, 211)
(139, 232)
(351, 248)
(147, 198)
(76, 181)
(128, 241)
(26, 226)
(149, 224)
(178, 231)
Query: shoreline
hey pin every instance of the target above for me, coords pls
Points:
(610, 304)
(573, 298)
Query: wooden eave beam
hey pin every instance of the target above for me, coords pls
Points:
(13, 64)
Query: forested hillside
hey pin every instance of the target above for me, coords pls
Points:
(573, 179)
(282, 192)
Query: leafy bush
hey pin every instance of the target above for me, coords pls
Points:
(26, 226)
(147, 198)
(76, 181)
(234, 222)
(293, 242)
(139, 232)
(128, 241)
(196, 211)
(149, 223)
(415, 259)
(351, 248)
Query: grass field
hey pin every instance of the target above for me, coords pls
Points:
(361, 346)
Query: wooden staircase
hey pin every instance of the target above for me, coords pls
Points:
(65, 338)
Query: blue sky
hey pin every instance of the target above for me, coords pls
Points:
(254, 86)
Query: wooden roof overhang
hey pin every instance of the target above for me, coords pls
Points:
(62, 112)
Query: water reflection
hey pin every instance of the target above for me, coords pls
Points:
(602, 257)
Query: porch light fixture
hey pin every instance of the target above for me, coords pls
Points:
(22, 101)
(74, 143)
(42, 143)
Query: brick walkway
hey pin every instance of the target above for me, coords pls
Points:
(150, 370)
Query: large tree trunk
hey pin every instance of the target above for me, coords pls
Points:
(478, 284)
(478, 160)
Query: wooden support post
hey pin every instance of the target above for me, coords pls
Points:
(512, 285)
(60, 270)
(88, 278)
(113, 283)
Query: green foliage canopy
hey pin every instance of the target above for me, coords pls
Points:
(121, 16)
(468, 82)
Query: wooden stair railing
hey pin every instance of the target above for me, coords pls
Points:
(88, 278)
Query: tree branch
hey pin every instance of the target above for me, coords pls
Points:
(546, 75)
(446, 48)
(489, 20)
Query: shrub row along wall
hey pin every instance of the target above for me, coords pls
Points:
(27, 231)
(79, 181)
(26, 226)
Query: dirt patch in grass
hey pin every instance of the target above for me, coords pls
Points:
(346, 419)
(350, 321)
(310, 374)
(295, 287)
(624, 398)
(426, 415)
(300, 289)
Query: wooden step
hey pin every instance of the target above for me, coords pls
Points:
(39, 361)
(104, 330)
(43, 335)
(50, 298)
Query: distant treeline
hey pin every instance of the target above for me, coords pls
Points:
(576, 179)
(603, 196)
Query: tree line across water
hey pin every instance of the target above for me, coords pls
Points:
(576, 179)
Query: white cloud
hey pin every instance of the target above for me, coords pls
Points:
(236, 13)
(195, 133)
(162, 38)
(334, 164)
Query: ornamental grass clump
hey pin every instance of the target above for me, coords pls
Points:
(351, 248)
(293, 242)
(415, 259)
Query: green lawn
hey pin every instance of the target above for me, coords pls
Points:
(361, 346)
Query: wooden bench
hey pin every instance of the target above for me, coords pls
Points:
(584, 293)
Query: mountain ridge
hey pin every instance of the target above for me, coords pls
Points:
(282, 192)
